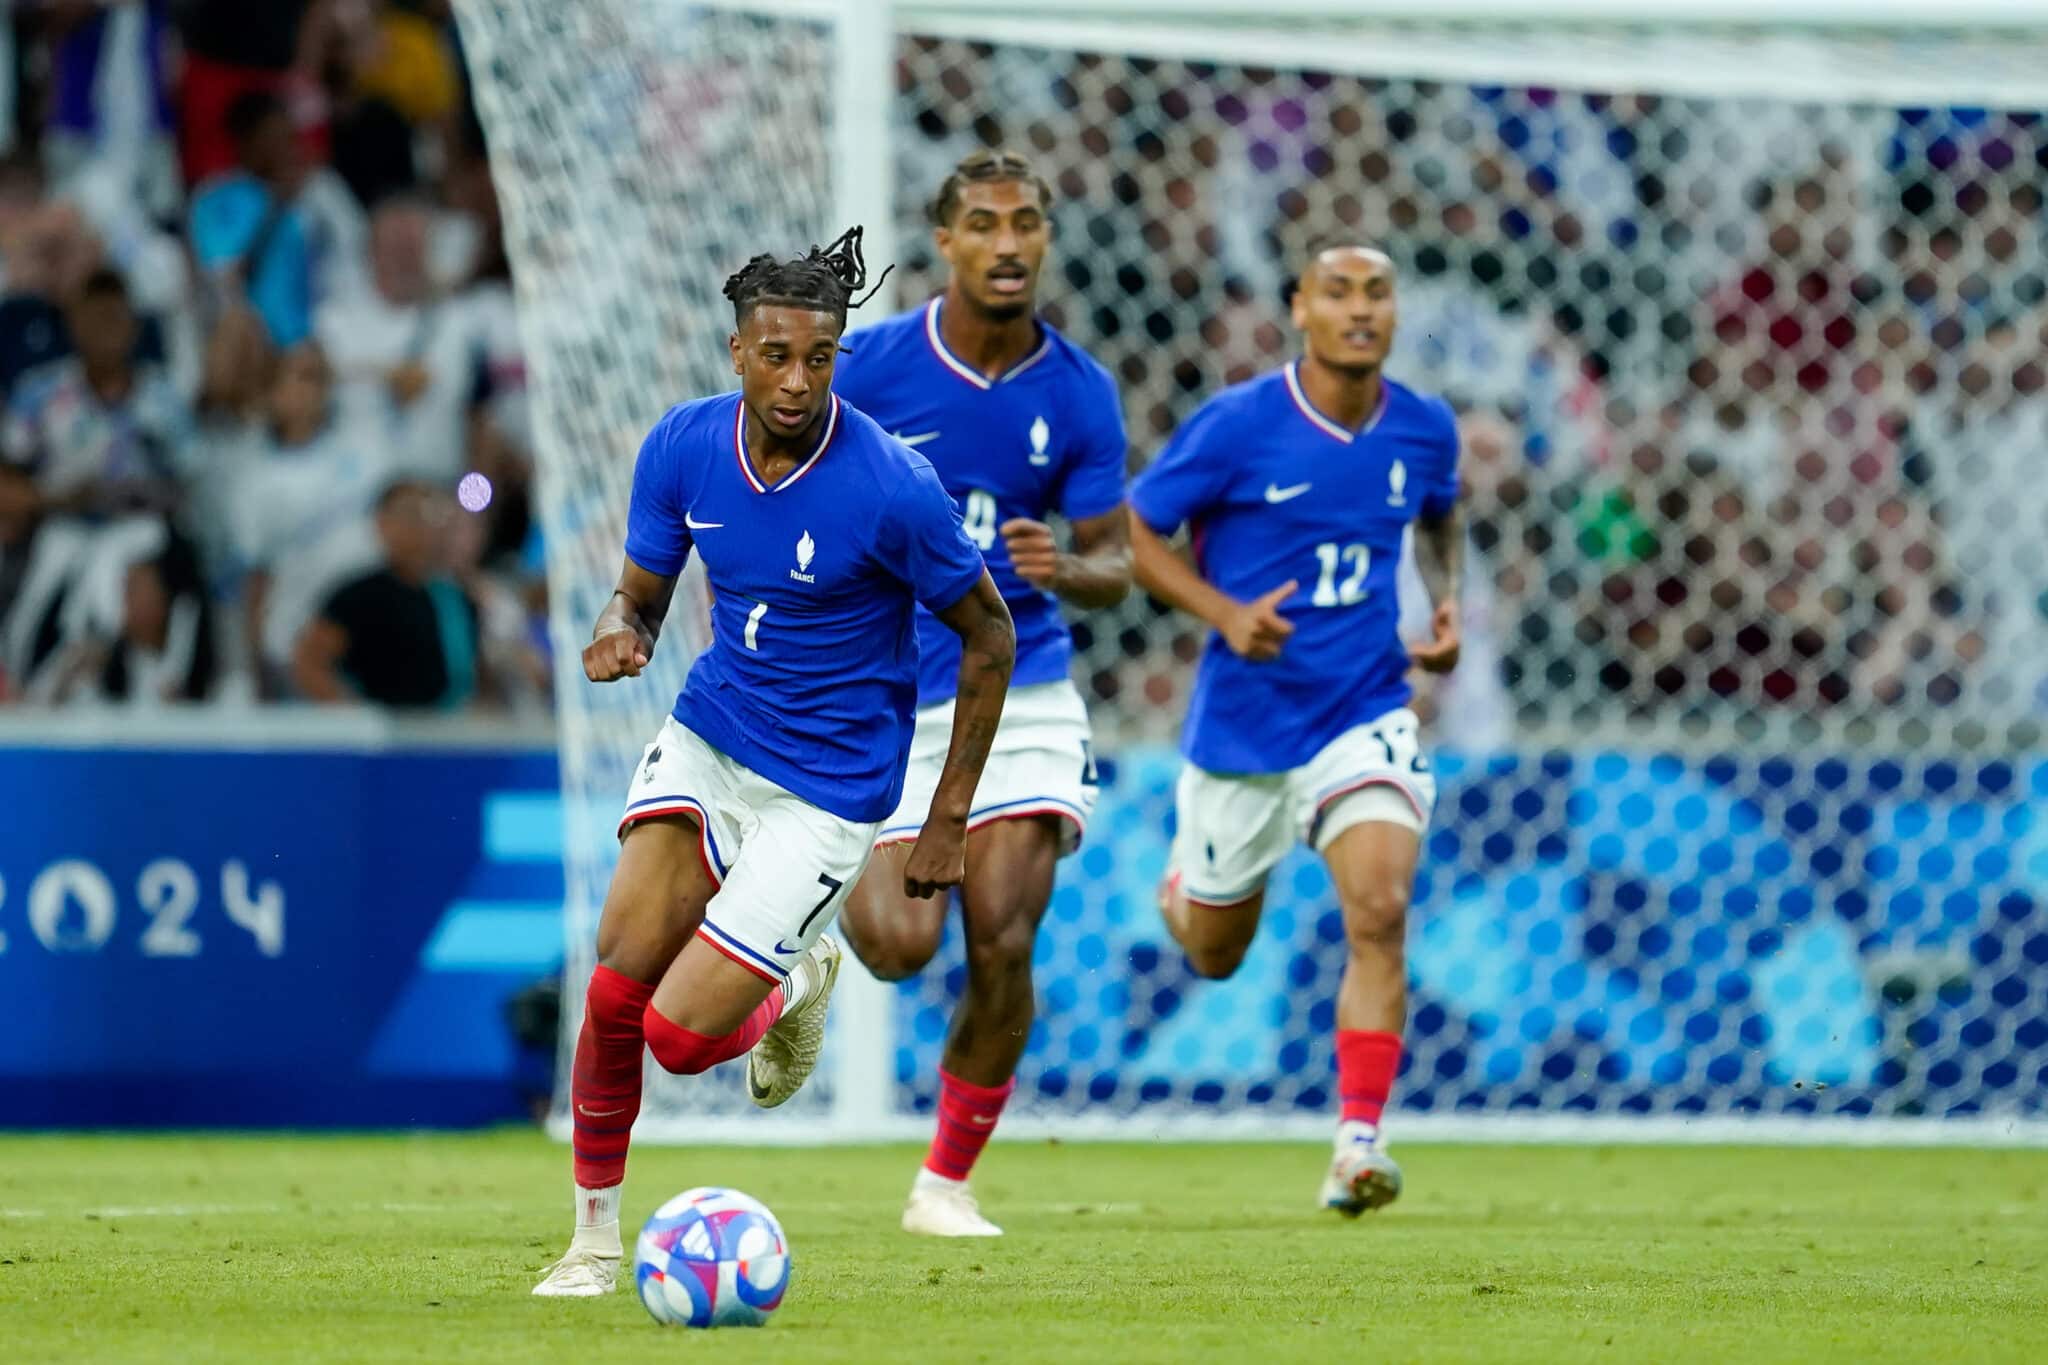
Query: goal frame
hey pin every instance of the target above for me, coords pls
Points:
(1837, 51)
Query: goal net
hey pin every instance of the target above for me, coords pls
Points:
(1744, 796)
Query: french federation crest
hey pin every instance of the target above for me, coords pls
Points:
(1397, 483)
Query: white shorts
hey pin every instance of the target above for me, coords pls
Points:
(782, 866)
(1041, 763)
(1234, 828)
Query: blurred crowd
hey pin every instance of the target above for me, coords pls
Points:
(1752, 392)
(265, 430)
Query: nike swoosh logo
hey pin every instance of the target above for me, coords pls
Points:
(760, 1092)
(590, 1113)
(981, 1120)
(782, 946)
(1275, 493)
(915, 441)
(696, 525)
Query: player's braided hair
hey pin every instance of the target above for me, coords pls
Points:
(979, 168)
(823, 279)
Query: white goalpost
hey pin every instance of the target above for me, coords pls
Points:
(1744, 826)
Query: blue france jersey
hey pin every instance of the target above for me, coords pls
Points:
(811, 678)
(1272, 489)
(1046, 436)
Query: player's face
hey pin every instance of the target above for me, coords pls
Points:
(995, 246)
(1345, 308)
(784, 359)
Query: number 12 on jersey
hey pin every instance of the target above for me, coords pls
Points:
(1328, 592)
(754, 626)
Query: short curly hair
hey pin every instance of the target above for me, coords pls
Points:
(823, 279)
(984, 167)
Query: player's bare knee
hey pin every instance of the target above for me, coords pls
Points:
(1216, 961)
(1002, 950)
(892, 947)
(1376, 920)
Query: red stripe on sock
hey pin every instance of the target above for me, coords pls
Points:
(967, 1116)
(1367, 1062)
(687, 1053)
(604, 1088)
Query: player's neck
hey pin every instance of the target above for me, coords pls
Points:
(773, 456)
(1346, 397)
(989, 346)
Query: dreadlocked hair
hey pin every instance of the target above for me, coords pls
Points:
(822, 280)
(980, 168)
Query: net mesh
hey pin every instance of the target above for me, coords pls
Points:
(642, 152)
(1742, 776)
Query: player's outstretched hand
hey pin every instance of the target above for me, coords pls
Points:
(1256, 629)
(615, 654)
(1033, 553)
(938, 860)
(1439, 655)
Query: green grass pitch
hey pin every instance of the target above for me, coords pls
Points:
(183, 1248)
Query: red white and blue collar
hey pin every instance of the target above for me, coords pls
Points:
(1324, 423)
(739, 448)
(967, 371)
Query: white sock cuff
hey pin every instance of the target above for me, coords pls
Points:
(596, 1208)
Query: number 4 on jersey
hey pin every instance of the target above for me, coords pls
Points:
(978, 519)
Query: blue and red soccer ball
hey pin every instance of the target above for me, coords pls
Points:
(711, 1258)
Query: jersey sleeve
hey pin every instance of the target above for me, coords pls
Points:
(1440, 489)
(656, 537)
(1095, 482)
(922, 544)
(1187, 477)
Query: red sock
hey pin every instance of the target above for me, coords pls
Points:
(687, 1053)
(1367, 1061)
(967, 1115)
(604, 1088)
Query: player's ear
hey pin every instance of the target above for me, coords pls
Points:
(732, 346)
(1297, 307)
(942, 238)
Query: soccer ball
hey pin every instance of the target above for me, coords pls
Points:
(711, 1258)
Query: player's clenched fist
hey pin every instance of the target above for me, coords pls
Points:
(938, 861)
(1032, 552)
(618, 653)
(1256, 629)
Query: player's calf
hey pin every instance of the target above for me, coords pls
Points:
(1214, 937)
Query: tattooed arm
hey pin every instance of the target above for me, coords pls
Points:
(988, 647)
(1440, 559)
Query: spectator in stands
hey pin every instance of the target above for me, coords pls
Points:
(46, 251)
(403, 635)
(301, 483)
(407, 356)
(110, 101)
(247, 231)
(160, 648)
(40, 561)
(233, 49)
(102, 434)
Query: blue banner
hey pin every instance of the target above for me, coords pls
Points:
(272, 938)
(1592, 932)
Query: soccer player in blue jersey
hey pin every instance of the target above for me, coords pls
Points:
(1020, 424)
(756, 807)
(1297, 488)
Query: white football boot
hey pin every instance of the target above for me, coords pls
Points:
(940, 1207)
(1362, 1176)
(585, 1272)
(783, 1060)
